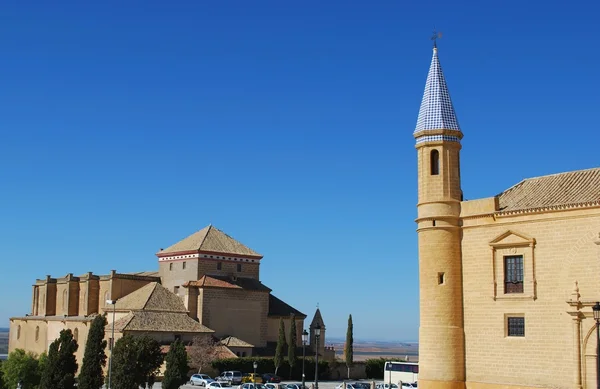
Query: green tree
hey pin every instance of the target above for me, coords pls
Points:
(292, 345)
(135, 362)
(60, 369)
(21, 366)
(280, 344)
(177, 366)
(94, 358)
(1, 377)
(349, 346)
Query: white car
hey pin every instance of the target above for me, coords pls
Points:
(218, 385)
(200, 379)
(409, 386)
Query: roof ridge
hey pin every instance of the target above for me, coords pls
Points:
(210, 226)
(149, 295)
(545, 176)
(560, 173)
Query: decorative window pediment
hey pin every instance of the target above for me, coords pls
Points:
(512, 239)
(513, 266)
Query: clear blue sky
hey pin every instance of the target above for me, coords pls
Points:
(124, 128)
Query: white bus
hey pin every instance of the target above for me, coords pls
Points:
(405, 372)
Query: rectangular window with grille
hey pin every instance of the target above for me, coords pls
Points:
(516, 326)
(513, 274)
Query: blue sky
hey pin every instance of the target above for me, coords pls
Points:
(126, 126)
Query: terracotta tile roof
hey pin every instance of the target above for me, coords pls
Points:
(215, 281)
(232, 341)
(581, 187)
(151, 297)
(280, 308)
(159, 322)
(210, 239)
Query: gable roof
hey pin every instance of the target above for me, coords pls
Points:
(232, 341)
(160, 322)
(210, 239)
(576, 188)
(219, 281)
(280, 308)
(151, 297)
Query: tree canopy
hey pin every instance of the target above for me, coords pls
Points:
(292, 344)
(202, 352)
(177, 366)
(349, 346)
(94, 358)
(20, 366)
(135, 362)
(280, 345)
(60, 369)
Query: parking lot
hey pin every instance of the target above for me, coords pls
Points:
(322, 385)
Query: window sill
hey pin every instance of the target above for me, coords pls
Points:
(514, 297)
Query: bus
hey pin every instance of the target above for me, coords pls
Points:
(405, 372)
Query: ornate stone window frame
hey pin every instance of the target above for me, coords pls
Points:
(507, 244)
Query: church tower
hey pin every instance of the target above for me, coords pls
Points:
(441, 332)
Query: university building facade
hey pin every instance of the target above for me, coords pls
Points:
(507, 283)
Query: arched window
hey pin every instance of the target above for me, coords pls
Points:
(435, 162)
(18, 332)
(106, 298)
(64, 300)
(76, 334)
(37, 333)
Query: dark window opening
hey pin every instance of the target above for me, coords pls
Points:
(219, 266)
(183, 266)
(177, 337)
(239, 267)
(170, 266)
(513, 274)
(441, 279)
(516, 326)
(435, 162)
(433, 222)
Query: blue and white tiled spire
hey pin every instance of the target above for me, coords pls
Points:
(437, 112)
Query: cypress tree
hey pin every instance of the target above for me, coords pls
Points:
(348, 347)
(61, 367)
(292, 345)
(94, 358)
(177, 366)
(278, 360)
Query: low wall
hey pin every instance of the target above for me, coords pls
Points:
(339, 371)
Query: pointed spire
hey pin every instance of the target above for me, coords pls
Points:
(437, 111)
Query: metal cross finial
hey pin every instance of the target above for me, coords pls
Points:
(435, 37)
(317, 305)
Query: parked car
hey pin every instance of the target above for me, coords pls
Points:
(252, 377)
(271, 378)
(218, 385)
(409, 386)
(274, 386)
(200, 379)
(386, 386)
(234, 377)
(252, 386)
(294, 386)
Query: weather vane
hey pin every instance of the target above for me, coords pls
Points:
(435, 37)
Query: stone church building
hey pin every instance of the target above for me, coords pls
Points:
(507, 283)
(208, 284)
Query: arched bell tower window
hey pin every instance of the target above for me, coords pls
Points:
(435, 162)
